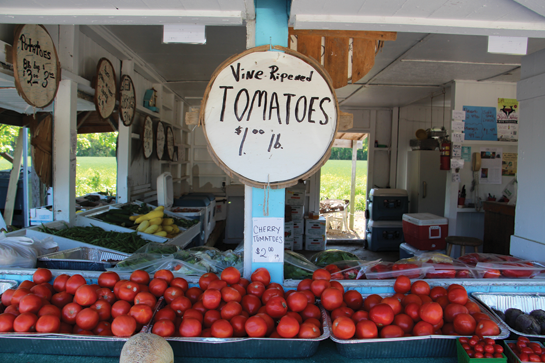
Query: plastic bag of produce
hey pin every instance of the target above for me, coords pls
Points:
(473, 258)
(17, 252)
(324, 258)
(411, 268)
(350, 269)
(189, 264)
(509, 269)
(218, 260)
(142, 261)
(446, 270)
(297, 267)
(156, 248)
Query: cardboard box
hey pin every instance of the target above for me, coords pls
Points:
(288, 231)
(295, 195)
(288, 244)
(40, 215)
(298, 243)
(297, 212)
(298, 228)
(315, 243)
(315, 227)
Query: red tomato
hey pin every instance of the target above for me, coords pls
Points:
(120, 307)
(141, 313)
(269, 321)
(103, 308)
(255, 327)
(394, 304)
(353, 299)
(311, 311)
(420, 288)
(49, 310)
(451, 310)
(180, 305)
(464, 324)
(217, 284)
(193, 294)
(42, 275)
(167, 313)
(448, 329)
(172, 293)
(437, 291)
(87, 319)
(230, 294)
(405, 322)
(331, 298)
(13, 310)
(366, 329)
(69, 312)
(180, 282)
(413, 311)
(261, 275)
(85, 295)
(480, 316)
(206, 279)
(48, 324)
(210, 317)
(277, 307)
(60, 282)
(166, 275)
(311, 299)
(431, 313)
(73, 283)
(238, 322)
(288, 327)
(25, 322)
(211, 299)
(297, 301)
(342, 311)
(402, 284)
(222, 328)
(194, 314)
(41, 291)
(106, 294)
(230, 275)
(27, 284)
(123, 326)
(487, 328)
(321, 274)
(6, 322)
(230, 310)
(145, 298)
(308, 331)
(108, 279)
(423, 328)
(472, 307)
(270, 293)
(140, 277)
(381, 314)
(6, 297)
(158, 287)
(256, 288)
(190, 328)
(458, 296)
(30, 303)
(391, 331)
(129, 290)
(360, 315)
(318, 286)
(18, 295)
(337, 285)
(398, 296)
(371, 301)
(304, 285)
(411, 298)
(164, 328)
(244, 282)
(343, 328)
(251, 304)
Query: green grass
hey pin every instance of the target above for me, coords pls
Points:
(96, 174)
(335, 181)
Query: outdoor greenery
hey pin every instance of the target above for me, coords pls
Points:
(8, 138)
(342, 153)
(96, 174)
(335, 181)
(97, 144)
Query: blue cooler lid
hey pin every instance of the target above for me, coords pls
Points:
(191, 202)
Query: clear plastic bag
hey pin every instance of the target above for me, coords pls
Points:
(218, 260)
(18, 252)
(190, 264)
(297, 267)
(509, 269)
(454, 269)
(156, 248)
(324, 258)
(411, 268)
(472, 259)
(350, 269)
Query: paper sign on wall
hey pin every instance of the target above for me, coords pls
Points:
(457, 137)
(456, 177)
(458, 115)
(480, 123)
(466, 153)
(457, 151)
(456, 164)
(268, 239)
(458, 126)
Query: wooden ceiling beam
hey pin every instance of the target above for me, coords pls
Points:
(372, 35)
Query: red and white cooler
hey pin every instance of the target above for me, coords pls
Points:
(425, 231)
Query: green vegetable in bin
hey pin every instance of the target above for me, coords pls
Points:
(297, 267)
(324, 258)
(119, 241)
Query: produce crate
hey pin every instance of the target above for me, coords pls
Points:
(505, 300)
(66, 243)
(511, 356)
(270, 348)
(464, 358)
(81, 258)
(181, 240)
(408, 347)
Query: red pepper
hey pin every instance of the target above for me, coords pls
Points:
(517, 274)
(464, 274)
(492, 274)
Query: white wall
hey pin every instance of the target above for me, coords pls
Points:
(529, 238)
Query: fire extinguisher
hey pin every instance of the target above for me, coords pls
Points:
(445, 148)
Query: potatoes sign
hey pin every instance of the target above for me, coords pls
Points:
(270, 117)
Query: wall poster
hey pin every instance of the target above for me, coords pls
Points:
(507, 116)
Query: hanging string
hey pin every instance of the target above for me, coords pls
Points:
(266, 191)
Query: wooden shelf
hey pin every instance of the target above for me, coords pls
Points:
(209, 176)
(489, 143)
(167, 107)
(381, 149)
(135, 136)
(204, 161)
(468, 210)
(183, 145)
(148, 112)
(177, 180)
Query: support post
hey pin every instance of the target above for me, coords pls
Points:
(14, 179)
(64, 152)
(353, 182)
(124, 148)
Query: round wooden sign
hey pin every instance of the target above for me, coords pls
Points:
(36, 66)
(127, 100)
(106, 89)
(146, 136)
(160, 140)
(170, 143)
(270, 117)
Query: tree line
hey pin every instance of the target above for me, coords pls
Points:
(342, 153)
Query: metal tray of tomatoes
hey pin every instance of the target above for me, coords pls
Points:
(270, 348)
(408, 347)
(505, 300)
(6, 284)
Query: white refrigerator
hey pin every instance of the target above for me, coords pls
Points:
(426, 183)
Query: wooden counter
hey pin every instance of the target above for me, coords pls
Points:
(499, 226)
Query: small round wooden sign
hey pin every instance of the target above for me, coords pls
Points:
(146, 137)
(36, 66)
(270, 117)
(170, 143)
(127, 100)
(160, 140)
(106, 89)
